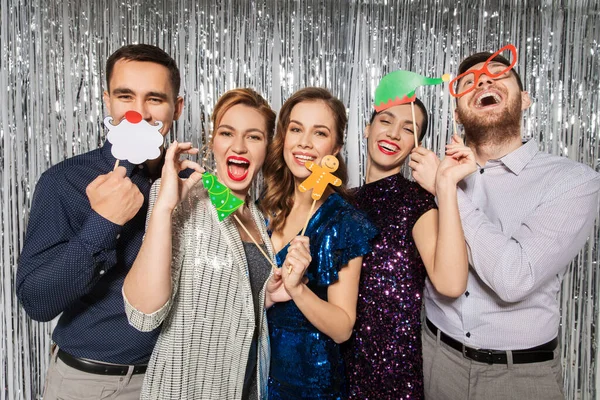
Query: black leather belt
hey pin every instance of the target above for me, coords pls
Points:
(93, 367)
(544, 352)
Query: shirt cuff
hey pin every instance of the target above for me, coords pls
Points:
(100, 237)
(100, 233)
(145, 322)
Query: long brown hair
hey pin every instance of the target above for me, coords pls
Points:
(278, 198)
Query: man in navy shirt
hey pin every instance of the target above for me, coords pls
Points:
(85, 229)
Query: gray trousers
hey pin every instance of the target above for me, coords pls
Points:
(450, 376)
(66, 383)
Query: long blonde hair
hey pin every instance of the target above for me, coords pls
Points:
(278, 197)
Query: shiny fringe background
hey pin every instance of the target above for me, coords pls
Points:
(52, 77)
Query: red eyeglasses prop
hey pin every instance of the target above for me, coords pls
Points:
(472, 76)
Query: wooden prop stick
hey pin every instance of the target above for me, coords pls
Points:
(308, 219)
(255, 242)
(453, 110)
(305, 226)
(320, 177)
(412, 109)
(116, 164)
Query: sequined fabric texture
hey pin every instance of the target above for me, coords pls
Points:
(384, 355)
(305, 363)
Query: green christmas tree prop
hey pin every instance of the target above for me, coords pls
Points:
(220, 196)
(399, 87)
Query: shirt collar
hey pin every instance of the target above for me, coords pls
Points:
(519, 158)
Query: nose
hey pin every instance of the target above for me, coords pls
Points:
(305, 140)
(142, 108)
(484, 80)
(239, 144)
(394, 132)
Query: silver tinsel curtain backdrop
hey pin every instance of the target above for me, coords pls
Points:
(52, 78)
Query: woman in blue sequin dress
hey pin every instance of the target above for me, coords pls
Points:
(416, 240)
(306, 332)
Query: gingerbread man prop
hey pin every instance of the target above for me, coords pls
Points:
(321, 176)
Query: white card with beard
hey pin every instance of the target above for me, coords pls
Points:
(134, 139)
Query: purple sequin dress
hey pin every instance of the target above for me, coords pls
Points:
(384, 355)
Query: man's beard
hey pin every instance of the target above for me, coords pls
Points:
(494, 129)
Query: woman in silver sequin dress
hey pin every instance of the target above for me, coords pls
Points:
(192, 276)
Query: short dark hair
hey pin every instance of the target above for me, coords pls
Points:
(425, 123)
(145, 53)
(477, 58)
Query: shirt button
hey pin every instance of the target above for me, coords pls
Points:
(468, 334)
(141, 166)
(150, 180)
(467, 293)
(101, 272)
(118, 235)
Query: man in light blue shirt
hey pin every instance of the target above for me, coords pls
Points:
(525, 215)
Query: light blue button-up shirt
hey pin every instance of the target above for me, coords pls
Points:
(525, 216)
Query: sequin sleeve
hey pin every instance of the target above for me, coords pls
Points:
(346, 237)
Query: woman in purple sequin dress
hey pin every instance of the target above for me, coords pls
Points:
(416, 239)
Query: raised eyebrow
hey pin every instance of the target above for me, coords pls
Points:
(255, 130)
(226, 127)
(296, 122)
(322, 127)
(389, 114)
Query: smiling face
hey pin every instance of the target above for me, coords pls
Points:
(330, 163)
(390, 138)
(310, 136)
(144, 87)
(493, 101)
(239, 147)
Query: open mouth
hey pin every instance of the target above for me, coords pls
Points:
(237, 168)
(488, 99)
(302, 158)
(388, 148)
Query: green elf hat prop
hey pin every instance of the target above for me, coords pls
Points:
(220, 196)
(399, 87)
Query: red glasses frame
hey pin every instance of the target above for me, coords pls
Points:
(484, 70)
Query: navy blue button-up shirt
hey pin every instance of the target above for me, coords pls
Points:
(74, 261)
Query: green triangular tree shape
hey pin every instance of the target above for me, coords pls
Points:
(220, 196)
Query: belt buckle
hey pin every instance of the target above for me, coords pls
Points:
(479, 355)
(489, 356)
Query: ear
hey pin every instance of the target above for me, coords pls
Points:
(366, 133)
(178, 108)
(336, 151)
(525, 100)
(106, 98)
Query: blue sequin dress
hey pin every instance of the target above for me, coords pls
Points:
(305, 363)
